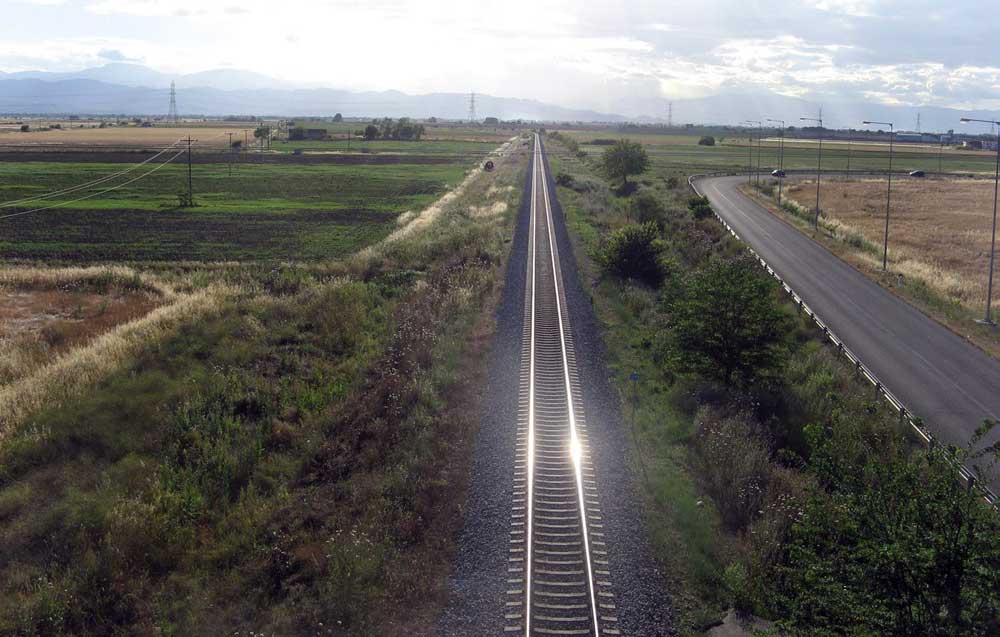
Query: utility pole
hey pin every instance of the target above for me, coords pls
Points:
(229, 153)
(190, 197)
(670, 115)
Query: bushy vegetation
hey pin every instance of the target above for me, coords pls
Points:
(635, 252)
(290, 464)
(706, 140)
(700, 207)
(791, 491)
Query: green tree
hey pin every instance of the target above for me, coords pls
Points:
(371, 132)
(726, 323)
(635, 252)
(895, 546)
(338, 117)
(624, 158)
(706, 140)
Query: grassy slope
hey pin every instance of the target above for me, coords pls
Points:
(666, 407)
(291, 464)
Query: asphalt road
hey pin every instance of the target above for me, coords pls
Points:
(938, 375)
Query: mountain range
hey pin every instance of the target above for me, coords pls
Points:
(134, 89)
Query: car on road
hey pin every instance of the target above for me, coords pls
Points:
(778, 173)
(916, 173)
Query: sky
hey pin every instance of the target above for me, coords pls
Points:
(624, 56)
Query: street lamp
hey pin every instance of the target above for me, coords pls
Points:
(993, 237)
(760, 133)
(819, 162)
(888, 194)
(749, 152)
(781, 156)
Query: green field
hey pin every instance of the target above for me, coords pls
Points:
(682, 152)
(261, 212)
(435, 147)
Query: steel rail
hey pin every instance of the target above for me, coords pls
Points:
(557, 568)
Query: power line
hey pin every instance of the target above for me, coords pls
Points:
(89, 184)
(95, 194)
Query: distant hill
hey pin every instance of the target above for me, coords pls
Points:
(134, 89)
(29, 94)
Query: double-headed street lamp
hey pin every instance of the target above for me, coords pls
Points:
(888, 194)
(819, 162)
(781, 156)
(993, 237)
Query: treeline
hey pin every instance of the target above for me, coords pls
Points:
(386, 128)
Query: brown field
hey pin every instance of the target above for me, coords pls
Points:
(215, 135)
(939, 230)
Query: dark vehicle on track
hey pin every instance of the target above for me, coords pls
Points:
(916, 173)
(778, 173)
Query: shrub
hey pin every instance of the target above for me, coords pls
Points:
(646, 207)
(707, 140)
(700, 207)
(25, 128)
(564, 179)
(673, 182)
(634, 252)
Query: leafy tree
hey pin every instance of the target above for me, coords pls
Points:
(338, 117)
(726, 323)
(897, 546)
(706, 140)
(635, 252)
(623, 159)
(371, 132)
(25, 128)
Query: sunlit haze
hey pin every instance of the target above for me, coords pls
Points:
(622, 57)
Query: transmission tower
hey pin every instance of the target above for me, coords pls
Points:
(670, 115)
(918, 122)
(172, 113)
(472, 106)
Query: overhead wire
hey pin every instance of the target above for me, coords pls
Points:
(90, 184)
(95, 194)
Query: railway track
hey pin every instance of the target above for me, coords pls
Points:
(558, 574)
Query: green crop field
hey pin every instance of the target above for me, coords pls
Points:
(261, 212)
(435, 147)
(682, 153)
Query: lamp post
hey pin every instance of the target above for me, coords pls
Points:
(849, 136)
(781, 156)
(819, 163)
(888, 194)
(993, 236)
(749, 153)
(760, 133)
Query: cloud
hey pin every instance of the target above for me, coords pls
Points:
(114, 55)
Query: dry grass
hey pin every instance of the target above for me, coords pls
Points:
(78, 369)
(939, 231)
(124, 136)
